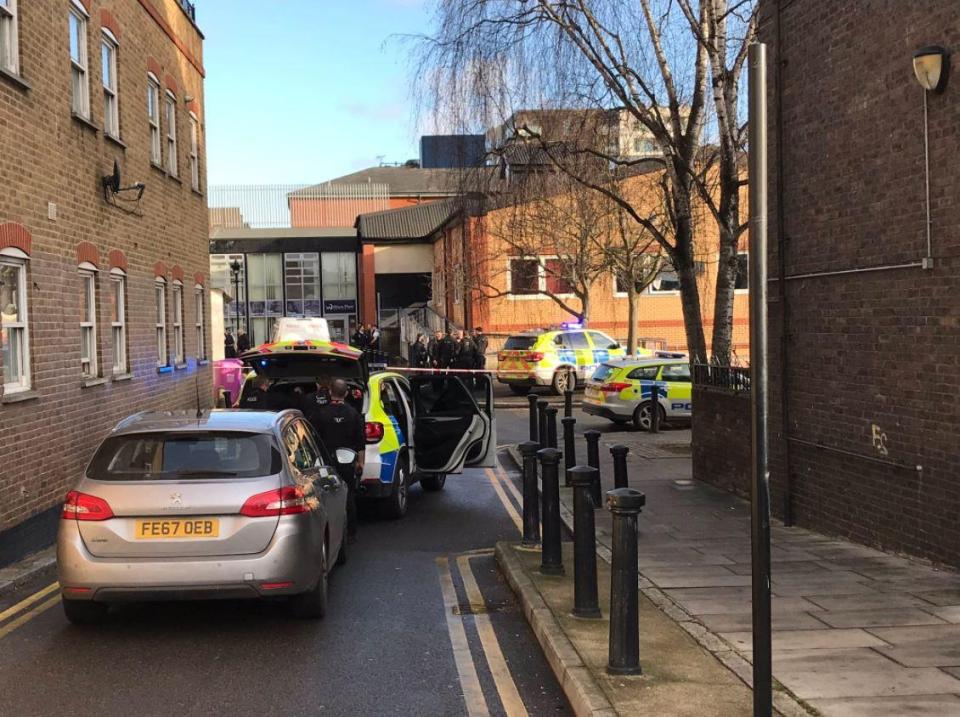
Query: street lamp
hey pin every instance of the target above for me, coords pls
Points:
(931, 66)
(235, 268)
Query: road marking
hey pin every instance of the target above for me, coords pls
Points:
(506, 687)
(28, 616)
(466, 669)
(27, 602)
(513, 488)
(511, 511)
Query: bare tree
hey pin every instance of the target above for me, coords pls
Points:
(658, 62)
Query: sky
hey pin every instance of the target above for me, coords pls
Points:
(302, 91)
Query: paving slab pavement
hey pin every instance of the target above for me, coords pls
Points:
(828, 594)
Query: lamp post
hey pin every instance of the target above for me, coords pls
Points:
(235, 268)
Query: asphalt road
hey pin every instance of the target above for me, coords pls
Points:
(385, 646)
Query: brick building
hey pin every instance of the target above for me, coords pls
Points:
(103, 303)
(865, 319)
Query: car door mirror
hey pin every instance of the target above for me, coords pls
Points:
(345, 456)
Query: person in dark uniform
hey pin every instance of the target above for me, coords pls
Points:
(418, 352)
(480, 345)
(466, 351)
(359, 338)
(229, 347)
(433, 349)
(446, 352)
(243, 342)
(339, 425)
(257, 395)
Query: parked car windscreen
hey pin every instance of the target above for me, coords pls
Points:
(602, 371)
(519, 343)
(185, 456)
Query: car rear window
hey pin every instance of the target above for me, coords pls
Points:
(603, 370)
(519, 343)
(185, 456)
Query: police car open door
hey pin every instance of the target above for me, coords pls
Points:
(454, 425)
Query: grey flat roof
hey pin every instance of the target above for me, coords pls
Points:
(415, 222)
(284, 233)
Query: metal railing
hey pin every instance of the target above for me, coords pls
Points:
(732, 378)
(279, 206)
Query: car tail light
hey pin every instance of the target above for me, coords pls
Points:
(80, 506)
(534, 356)
(614, 387)
(373, 431)
(282, 501)
(276, 585)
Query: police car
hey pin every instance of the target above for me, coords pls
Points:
(559, 358)
(418, 428)
(623, 390)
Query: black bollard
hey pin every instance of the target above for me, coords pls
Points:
(593, 460)
(551, 415)
(624, 654)
(569, 447)
(531, 496)
(551, 559)
(534, 424)
(654, 409)
(619, 454)
(585, 600)
(542, 423)
(568, 402)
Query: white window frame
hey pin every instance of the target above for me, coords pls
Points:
(111, 91)
(118, 327)
(194, 152)
(170, 113)
(89, 365)
(179, 356)
(160, 304)
(80, 88)
(199, 306)
(541, 278)
(153, 118)
(9, 38)
(18, 259)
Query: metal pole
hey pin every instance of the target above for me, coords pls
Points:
(586, 603)
(593, 460)
(551, 559)
(760, 503)
(654, 408)
(624, 646)
(542, 423)
(236, 292)
(531, 496)
(619, 454)
(568, 402)
(569, 447)
(551, 414)
(534, 424)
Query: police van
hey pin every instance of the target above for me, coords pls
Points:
(626, 390)
(559, 358)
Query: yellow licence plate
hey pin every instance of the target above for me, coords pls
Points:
(179, 528)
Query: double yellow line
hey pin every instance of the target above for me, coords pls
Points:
(28, 608)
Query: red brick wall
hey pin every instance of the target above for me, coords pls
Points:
(47, 156)
(868, 370)
(721, 439)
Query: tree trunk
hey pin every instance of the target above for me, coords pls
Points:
(632, 318)
(689, 296)
(728, 222)
(585, 307)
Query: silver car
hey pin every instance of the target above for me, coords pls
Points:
(227, 504)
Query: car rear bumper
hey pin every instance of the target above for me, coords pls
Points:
(536, 377)
(614, 414)
(287, 559)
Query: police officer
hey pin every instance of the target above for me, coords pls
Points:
(446, 352)
(259, 397)
(480, 345)
(339, 425)
(466, 351)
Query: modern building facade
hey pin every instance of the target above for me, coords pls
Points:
(864, 266)
(103, 226)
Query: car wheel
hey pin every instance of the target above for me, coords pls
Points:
(433, 482)
(641, 416)
(395, 506)
(519, 389)
(562, 380)
(85, 612)
(313, 604)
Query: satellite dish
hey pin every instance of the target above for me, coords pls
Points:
(112, 181)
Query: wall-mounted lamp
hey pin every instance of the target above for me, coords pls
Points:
(931, 65)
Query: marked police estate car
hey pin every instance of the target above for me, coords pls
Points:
(559, 358)
(623, 390)
(418, 428)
